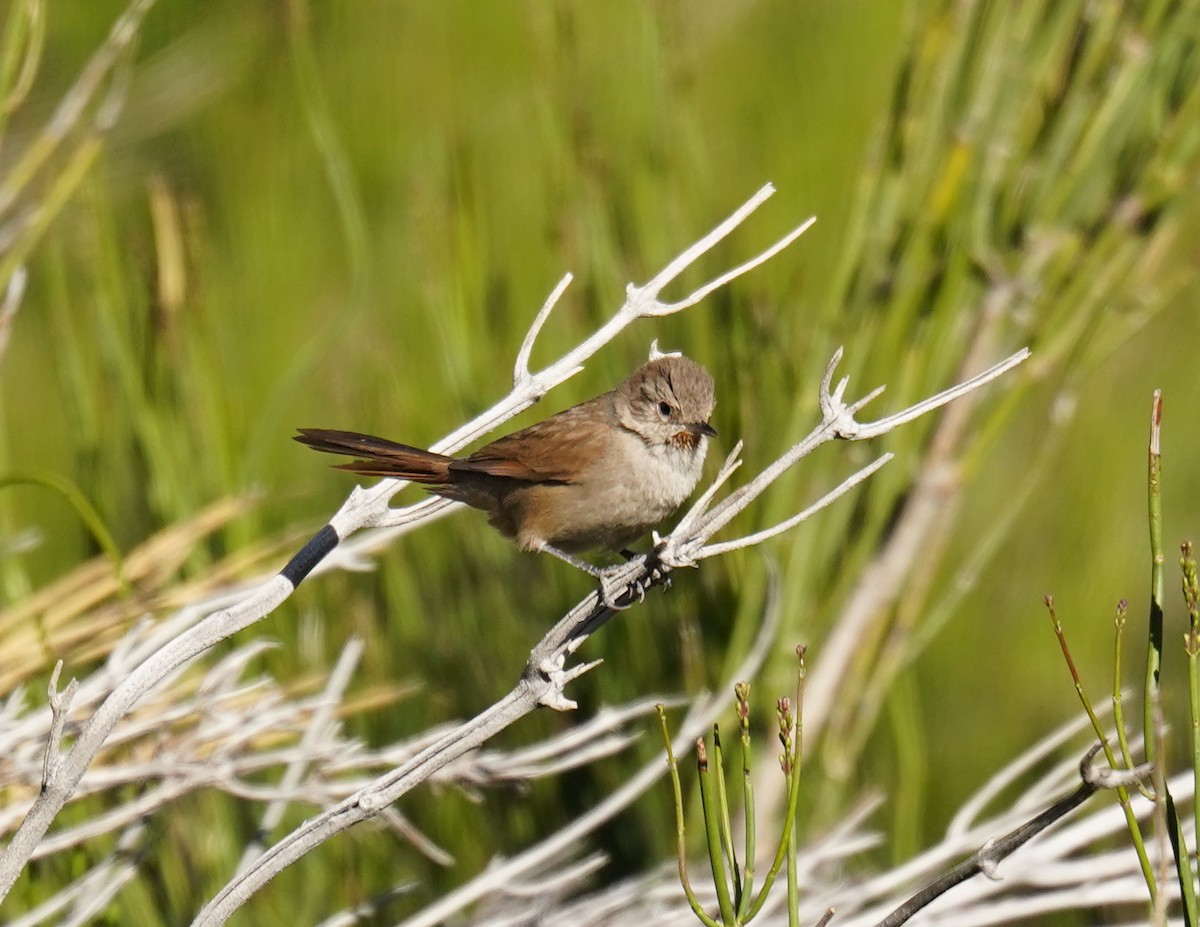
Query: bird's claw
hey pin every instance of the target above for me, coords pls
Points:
(609, 595)
(628, 581)
(615, 583)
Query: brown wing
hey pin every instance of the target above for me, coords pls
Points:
(552, 451)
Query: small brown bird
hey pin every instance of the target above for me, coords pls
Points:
(598, 475)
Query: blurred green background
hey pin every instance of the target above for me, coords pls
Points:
(346, 214)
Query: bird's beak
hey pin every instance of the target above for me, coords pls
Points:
(702, 428)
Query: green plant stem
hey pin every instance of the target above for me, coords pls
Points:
(24, 40)
(1118, 696)
(322, 126)
(1191, 598)
(1193, 646)
(724, 818)
(712, 831)
(65, 182)
(1131, 822)
(792, 882)
(680, 830)
(1183, 865)
(793, 796)
(1157, 583)
(68, 115)
(87, 514)
(748, 811)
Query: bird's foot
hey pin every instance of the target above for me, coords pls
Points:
(627, 579)
(618, 588)
(658, 576)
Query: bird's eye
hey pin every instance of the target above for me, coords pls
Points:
(664, 409)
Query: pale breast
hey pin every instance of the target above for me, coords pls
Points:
(632, 488)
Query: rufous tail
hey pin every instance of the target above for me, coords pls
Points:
(378, 456)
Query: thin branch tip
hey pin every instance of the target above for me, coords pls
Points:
(521, 374)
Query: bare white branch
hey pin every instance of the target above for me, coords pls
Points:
(699, 294)
(604, 734)
(884, 425)
(93, 891)
(60, 704)
(314, 734)
(712, 550)
(731, 465)
(656, 353)
(403, 828)
(972, 810)
(1111, 778)
(521, 374)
